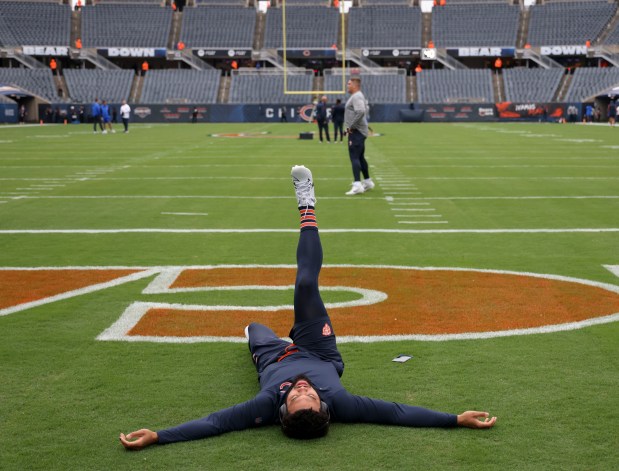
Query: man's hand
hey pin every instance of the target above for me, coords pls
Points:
(138, 439)
(475, 419)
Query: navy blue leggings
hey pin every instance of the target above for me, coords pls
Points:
(308, 304)
(311, 320)
(356, 152)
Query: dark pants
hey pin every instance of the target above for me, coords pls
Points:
(338, 126)
(323, 125)
(311, 321)
(356, 151)
(95, 120)
(126, 123)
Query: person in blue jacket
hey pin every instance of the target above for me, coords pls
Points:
(300, 386)
(106, 118)
(95, 110)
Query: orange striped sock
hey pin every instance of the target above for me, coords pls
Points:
(308, 218)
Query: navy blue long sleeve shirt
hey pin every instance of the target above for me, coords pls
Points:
(274, 383)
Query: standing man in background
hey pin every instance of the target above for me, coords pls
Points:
(355, 120)
(95, 111)
(125, 114)
(322, 119)
(337, 117)
(107, 120)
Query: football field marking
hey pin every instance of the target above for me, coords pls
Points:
(167, 275)
(343, 198)
(73, 293)
(322, 231)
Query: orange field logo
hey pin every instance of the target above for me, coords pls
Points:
(386, 302)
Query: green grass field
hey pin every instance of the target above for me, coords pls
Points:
(518, 197)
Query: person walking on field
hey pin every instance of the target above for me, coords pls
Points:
(300, 386)
(355, 120)
(125, 114)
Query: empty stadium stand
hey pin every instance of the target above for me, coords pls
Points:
(86, 84)
(531, 85)
(268, 87)
(218, 27)
(383, 88)
(490, 24)
(39, 82)
(310, 24)
(613, 37)
(400, 27)
(306, 27)
(125, 25)
(34, 24)
(180, 86)
(566, 23)
(455, 86)
(589, 82)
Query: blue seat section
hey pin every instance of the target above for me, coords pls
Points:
(34, 24)
(531, 85)
(86, 84)
(490, 24)
(307, 27)
(269, 88)
(39, 82)
(613, 37)
(208, 3)
(126, 25)
(455, 86)
(386, 26)
(180, 86)
(375, 88)
(568, 23)
(218, 27)
(588, 82)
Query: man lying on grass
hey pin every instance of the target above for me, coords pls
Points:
(300, 384)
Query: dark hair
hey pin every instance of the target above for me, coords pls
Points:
(306, 424)
(338, 101)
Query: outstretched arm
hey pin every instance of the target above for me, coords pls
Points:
(351, 408)
(253, 413)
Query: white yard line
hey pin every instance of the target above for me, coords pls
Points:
(323, 231)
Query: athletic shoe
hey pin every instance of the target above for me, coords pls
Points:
(368, 184)
(247, 332)
(303, 185)
(104, 132)
(356, 189)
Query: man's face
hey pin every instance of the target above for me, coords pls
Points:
(351, 86)
(302, 396)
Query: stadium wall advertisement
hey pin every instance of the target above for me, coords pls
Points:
(8, 112)
(300, 113)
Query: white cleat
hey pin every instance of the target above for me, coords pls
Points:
(357, 188)
(303, 185)
(368, 184)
